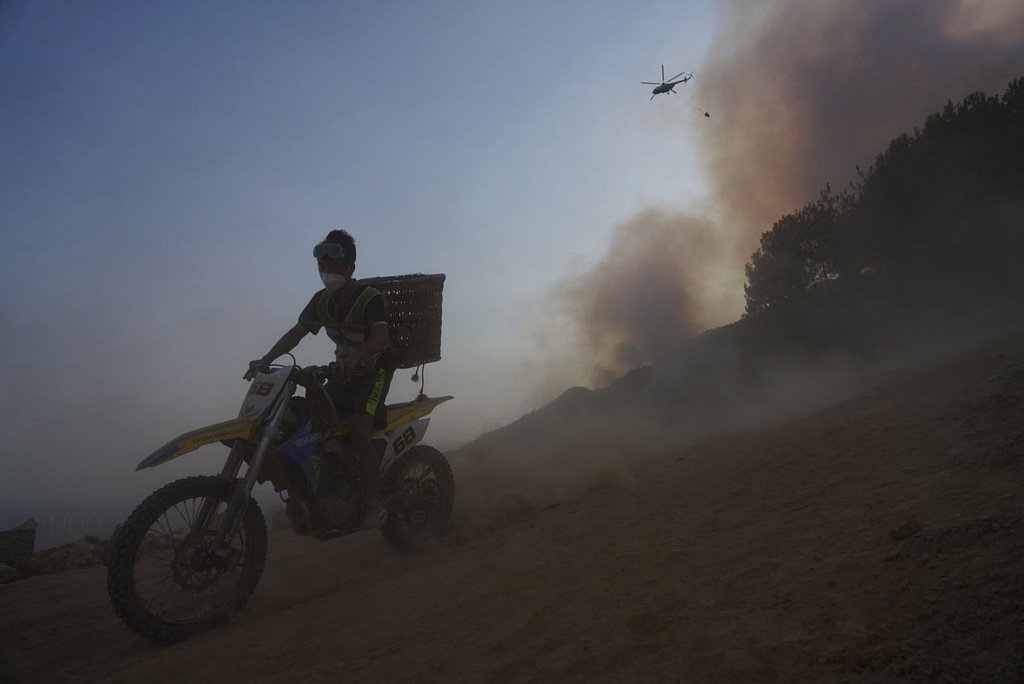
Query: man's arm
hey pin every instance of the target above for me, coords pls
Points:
(287, 342)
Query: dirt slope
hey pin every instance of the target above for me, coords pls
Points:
(878, 539)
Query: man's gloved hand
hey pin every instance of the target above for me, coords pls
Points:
(257, 366)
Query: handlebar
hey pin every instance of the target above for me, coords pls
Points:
(309, 374)
(316, 373)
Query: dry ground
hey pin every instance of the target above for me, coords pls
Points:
(879, 539)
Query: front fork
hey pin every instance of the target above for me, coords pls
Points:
(243, 487)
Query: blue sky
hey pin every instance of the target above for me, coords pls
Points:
(168, 167)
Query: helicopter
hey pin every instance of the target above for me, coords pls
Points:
(669, 85)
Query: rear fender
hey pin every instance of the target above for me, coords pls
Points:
(400, 439)
(226, 431)
(397, 415)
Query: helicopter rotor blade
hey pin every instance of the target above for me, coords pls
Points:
(662, 73)
(649, 83)
(652, 97)
(677, 76)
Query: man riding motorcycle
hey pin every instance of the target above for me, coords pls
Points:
(355, 318)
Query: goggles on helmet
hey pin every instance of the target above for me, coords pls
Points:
(328, 250)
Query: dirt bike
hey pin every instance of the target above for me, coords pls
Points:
(193, 551)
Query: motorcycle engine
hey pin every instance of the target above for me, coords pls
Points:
(336, 500)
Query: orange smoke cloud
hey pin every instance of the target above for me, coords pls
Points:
(638, 301)
(800, 92)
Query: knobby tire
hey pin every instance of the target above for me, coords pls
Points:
(398, 532)
(125, 552)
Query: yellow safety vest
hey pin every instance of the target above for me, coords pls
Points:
(351, 332)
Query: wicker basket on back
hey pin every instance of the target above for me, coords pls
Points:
(414, 316)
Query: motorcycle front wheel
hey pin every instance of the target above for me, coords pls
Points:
(166, 579)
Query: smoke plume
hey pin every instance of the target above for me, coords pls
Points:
(800, 93)
(816, 88)
(640, 299)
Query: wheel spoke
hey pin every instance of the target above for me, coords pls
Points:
(183, 517)
(164, 532)
(190, 513)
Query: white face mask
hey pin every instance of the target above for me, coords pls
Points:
(333, 281)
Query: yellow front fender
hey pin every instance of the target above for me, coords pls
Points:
(237, 428)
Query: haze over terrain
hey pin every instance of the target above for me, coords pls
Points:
(878, 539)
(174, 166)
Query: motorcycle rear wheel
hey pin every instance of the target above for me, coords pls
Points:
(423, 487)
(164, 579)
